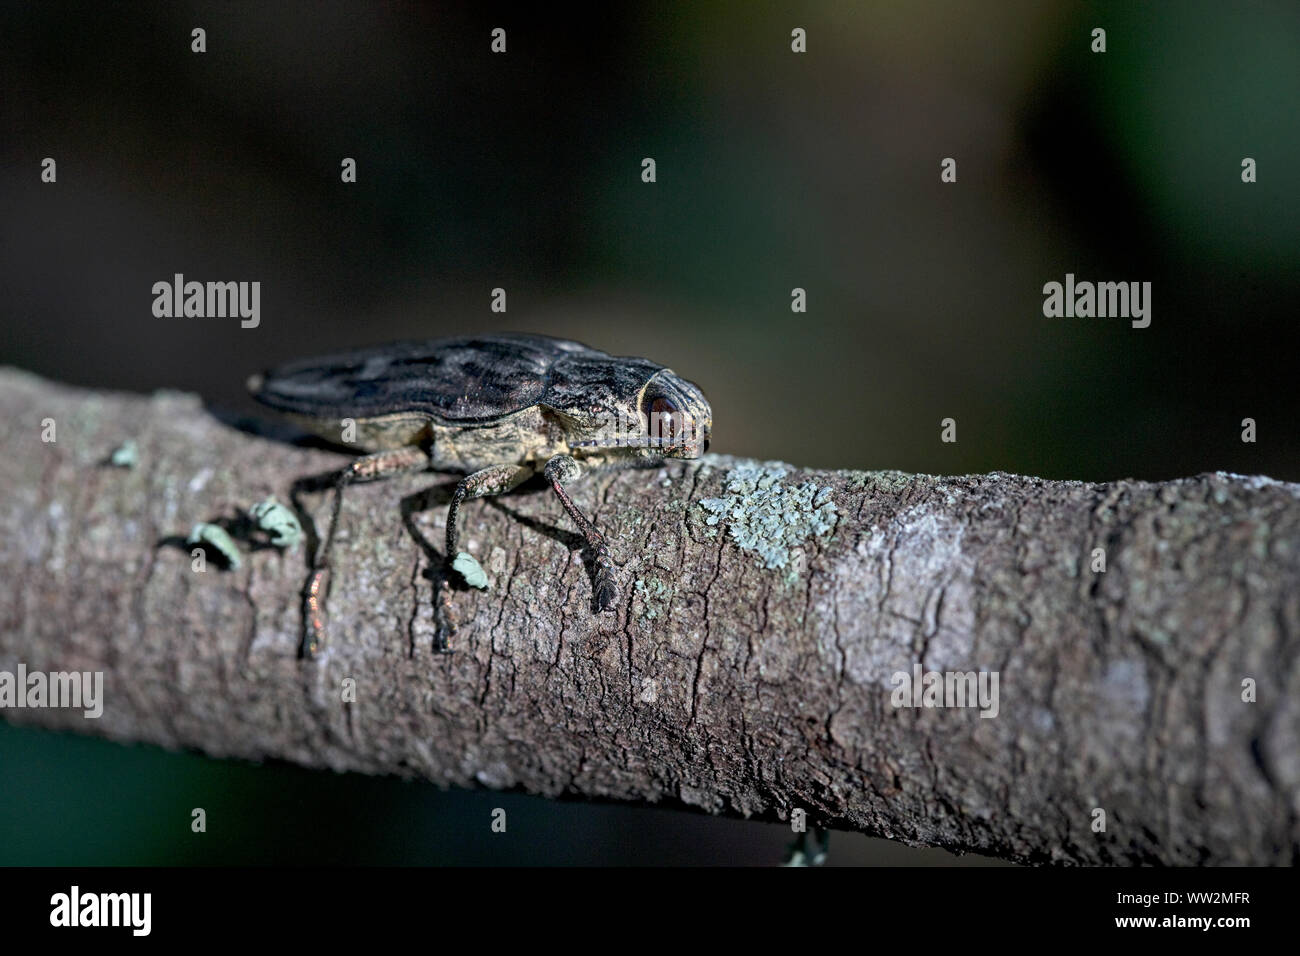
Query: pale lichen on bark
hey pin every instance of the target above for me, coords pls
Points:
(718, 682)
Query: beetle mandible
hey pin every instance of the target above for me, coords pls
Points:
(499, 408)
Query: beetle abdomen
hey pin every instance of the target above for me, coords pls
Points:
(370, 434)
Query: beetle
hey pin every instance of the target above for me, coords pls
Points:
(498, 408)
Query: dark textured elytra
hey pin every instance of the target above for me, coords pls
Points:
(463, 381)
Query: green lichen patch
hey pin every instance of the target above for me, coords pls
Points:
(277, 521)
(126, 455)
(764, 515)
(214, 538)
(469, 569)
(654, 594)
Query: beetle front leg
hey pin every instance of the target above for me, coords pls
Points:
(565, 468)
(382, 464)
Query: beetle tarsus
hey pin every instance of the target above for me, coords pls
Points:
(445, 621)
(313, 631)
(606, 584)
(606, 595)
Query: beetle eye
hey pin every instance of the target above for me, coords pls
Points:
(665, 419)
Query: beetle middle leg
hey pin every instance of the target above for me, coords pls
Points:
(565, 468)
(493, 480)
(383, 464)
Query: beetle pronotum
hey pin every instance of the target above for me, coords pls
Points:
(499, 408)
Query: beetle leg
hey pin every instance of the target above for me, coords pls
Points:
(494, 480)
(564, 468)
(383, 464)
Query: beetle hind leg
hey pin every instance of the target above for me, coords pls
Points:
(382, 464)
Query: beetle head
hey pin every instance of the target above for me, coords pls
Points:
(668, 418)
(677, 416)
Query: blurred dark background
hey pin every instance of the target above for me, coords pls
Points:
(775, 170)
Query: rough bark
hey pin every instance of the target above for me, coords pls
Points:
(717, 682)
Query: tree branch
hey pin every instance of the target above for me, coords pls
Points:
(718, 682)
